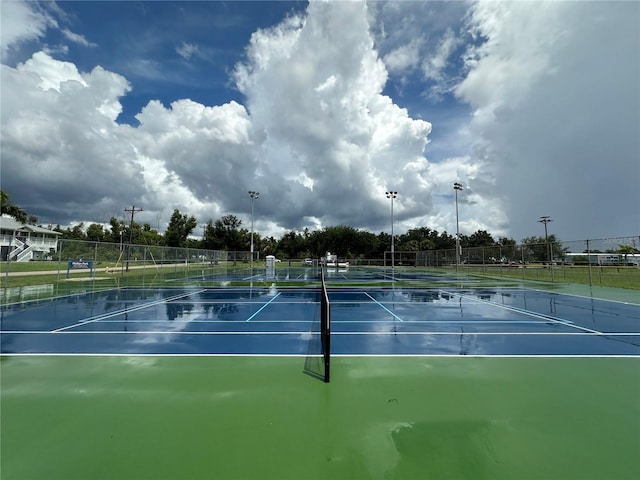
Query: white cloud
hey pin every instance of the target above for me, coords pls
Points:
(557, 112)
(326, 122)
(53, 74)
(404, 57)
(21, 21)
(76, 38)
(59, 125)
(434, 65)
(187, 50)
(554, 128)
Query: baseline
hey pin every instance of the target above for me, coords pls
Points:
(551, 318)
(127, 310)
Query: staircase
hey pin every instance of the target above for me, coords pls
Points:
(26, 254)
(20, 251)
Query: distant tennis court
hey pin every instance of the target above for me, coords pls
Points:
(445, 381)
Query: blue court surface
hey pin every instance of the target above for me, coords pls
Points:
(281, 321)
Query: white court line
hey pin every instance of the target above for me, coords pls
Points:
(617, 334)
(252, 277)
(342, 322)
(263, 307)
(531, 314)
(305, 332)
(120, 312)
(182, 332)
(304, 355)
(176, 321)
(385, 308)
(580, 296)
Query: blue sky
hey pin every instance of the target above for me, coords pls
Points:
(322, 106)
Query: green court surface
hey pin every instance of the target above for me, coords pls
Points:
(146, 417)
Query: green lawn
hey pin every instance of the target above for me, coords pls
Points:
(617, 277)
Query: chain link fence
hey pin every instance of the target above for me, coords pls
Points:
(75, 266)
(83, 266)
(592, 262)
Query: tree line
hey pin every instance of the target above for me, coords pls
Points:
(228, 233)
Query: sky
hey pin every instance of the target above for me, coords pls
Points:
(322, 107)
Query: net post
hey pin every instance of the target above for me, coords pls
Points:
(325, 328)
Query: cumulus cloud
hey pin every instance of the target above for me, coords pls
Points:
(58, 130)
(555, 116)
(316, 130)
(557, 111)
(326, 128)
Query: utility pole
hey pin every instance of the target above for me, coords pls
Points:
(546, 219)
(133, 210)
(253, 195)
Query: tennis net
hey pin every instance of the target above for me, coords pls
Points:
(325, 327)
(318, 361)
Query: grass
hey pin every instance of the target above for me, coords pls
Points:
(616, 277)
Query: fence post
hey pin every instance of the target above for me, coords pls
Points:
(589, 263)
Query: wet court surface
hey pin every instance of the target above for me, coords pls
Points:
(200, 383)
(280, 321)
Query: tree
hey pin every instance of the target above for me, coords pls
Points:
(480, 238)
(445, 241)
(7, 208)
(341, 240)
(225, 234)
(179, 228)
(422, 238)
(95, 232)
(537, 248)
(507, 242)
(368, 244)
(150, 236)
(626, 250)
(117, 230)
(291, 244)
(268, 246)
(74, 233)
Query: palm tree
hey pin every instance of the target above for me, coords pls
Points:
(626, 250)
(6, 207)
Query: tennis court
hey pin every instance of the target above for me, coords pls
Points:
(445, 381)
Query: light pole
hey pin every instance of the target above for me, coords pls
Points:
(457, 186)
(133, 210)
(392, 195)
(546, 219)
(253, 196)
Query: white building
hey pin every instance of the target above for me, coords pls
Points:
(20, 242)
(604, 259)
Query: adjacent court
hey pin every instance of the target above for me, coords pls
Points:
(373, 321)
(439, 382)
